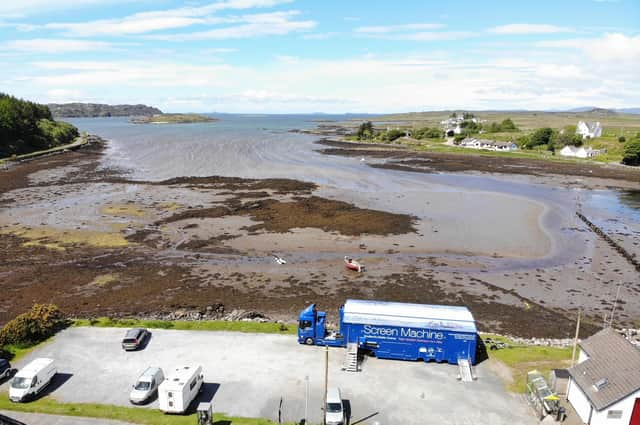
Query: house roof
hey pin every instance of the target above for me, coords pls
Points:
(612, 371)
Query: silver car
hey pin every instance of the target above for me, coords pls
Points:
(146, 385)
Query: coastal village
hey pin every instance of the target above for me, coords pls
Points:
(279, 212)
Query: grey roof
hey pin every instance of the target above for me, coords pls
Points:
(560, 373)
(613, 366)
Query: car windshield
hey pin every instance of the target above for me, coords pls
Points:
(21, 383)
(129, 340)
(142, 385)
(334, 407)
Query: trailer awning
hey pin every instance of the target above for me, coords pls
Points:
(383, 313)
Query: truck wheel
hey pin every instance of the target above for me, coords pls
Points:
(309, 341)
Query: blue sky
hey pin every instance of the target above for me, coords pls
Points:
(284, 56)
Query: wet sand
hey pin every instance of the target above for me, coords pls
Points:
(96, 242)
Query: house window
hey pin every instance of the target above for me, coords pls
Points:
(614, 414)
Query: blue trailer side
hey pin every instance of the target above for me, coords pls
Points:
(397, 330)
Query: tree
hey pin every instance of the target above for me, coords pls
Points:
(392, 134)
(28, 126)
(365, 131)
(631, 154)
(427, 133)
(622, 139)
(507, 125)
(467, 116)
(564, 138)
(541, 136)
(454, 115)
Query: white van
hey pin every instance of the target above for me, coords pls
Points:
(334, 410)
(32, 379)
(146, 385)
(180, 388)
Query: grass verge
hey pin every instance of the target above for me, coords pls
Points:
(18, 351)
(523, 358)
(143, 416)
(184, 325)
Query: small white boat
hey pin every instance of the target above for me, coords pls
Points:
(279, 260)
(352, 264)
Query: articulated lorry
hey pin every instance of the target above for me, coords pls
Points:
(391, 330)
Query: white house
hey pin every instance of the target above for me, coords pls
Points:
(579, 152)
(604, 386)
(471, 142)
(589, 129)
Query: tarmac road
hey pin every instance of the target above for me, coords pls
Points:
(248, 374)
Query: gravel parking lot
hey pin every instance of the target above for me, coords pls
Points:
(247, 374)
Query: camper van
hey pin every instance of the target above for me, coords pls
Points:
(31, 379)
(180, 388)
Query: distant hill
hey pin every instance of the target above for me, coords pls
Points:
(27, 127)
(597, 110)
(79, 110)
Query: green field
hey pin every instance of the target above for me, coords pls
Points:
(523, 358)
(184, 325)
(614, 125)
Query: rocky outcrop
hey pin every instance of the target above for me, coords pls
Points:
(79, 110)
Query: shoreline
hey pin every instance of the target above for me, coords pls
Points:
(403, 158)
(204, 258)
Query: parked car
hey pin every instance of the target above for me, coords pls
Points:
(5, 369)
(146, 385)
(134, 338)
(32, 379)
(334, 412)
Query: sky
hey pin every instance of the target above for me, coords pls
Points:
(302, 56)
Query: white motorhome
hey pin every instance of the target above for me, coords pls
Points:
(32, 379)
(180, 388)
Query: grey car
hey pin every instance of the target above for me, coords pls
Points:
(5, 369)
(134, 339)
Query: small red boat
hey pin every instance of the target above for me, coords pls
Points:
(351, 264)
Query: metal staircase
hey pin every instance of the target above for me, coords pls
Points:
(465, 373)
(351, 358)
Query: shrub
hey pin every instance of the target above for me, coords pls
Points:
(622, 139)
(631, 154)
(33, 327)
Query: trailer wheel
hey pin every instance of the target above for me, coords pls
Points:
(309, 341)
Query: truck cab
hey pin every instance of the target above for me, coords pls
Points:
(312, 329)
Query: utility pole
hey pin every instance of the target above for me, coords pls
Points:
(306, 400)
(326, 382)
(613, 309)
(575, 340)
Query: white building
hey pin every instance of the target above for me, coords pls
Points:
(492, 145)
(589, 129)
(579, 152)
(604, 387)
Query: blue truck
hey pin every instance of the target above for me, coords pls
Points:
(391, 330)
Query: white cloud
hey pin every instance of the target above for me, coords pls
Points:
(53, 45)
(156, 20)
(255, 25)
(411, 32)
(294, 84)
(320, 35)
(386, 29)
(19, 8)
(64, 96)
(612, 48)
(529, 29)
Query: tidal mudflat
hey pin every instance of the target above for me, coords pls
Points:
(163, 219)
